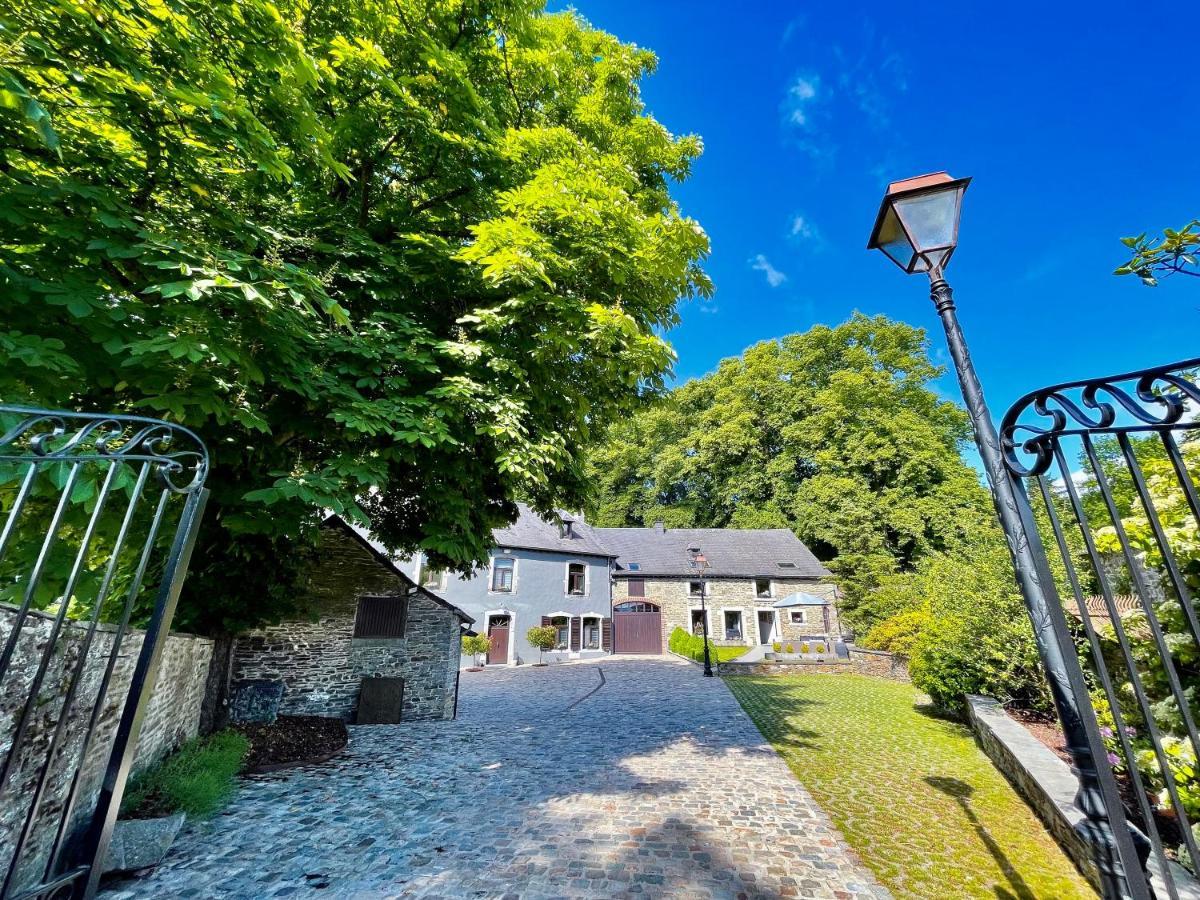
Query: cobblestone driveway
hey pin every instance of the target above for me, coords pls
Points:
(620, 778)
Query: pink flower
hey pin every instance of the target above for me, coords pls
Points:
(1106, 732)
(1113, 759)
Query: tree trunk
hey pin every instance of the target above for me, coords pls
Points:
(214, 710)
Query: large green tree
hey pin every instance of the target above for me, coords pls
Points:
(415, 251)
(835, 433)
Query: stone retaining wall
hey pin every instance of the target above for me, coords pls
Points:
(861, 662)
(1049, 786)
(172, 716)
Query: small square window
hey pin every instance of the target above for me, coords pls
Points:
(799, 617)
(695, 588)
(433, 579)
(637, 587)
(762, 587)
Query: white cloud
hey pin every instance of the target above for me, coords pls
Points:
(803, 229)
(760, 263)
(802, 96)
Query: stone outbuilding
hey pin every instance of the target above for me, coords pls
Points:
(376, 647)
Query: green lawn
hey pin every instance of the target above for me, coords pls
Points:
(911, 793)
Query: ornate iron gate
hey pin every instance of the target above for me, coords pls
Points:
(1112, 465)
(100, 514)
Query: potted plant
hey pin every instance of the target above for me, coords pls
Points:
(544, 637)
(475, 646)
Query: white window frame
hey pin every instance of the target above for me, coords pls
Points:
(742, 614)
(599, 630)
(699, 593)
(491, 575)
(587, 578)
(770, 589)
(421, 576)
(512, 631)
(803, 613)
(707, 616)
(563, 614)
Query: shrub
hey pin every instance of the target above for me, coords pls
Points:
(196, 779)
(476, 645)
(692, 646)
(777, 647)
(820, 648)
(544, 637)
(898, 633)
(804, 647)
(791, 649)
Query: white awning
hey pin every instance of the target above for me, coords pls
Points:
(800, 599)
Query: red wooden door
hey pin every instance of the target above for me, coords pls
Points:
(498, 651)
(637, 628)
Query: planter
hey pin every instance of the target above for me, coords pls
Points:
(141, 843)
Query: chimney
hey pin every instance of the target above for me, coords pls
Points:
(659, 527)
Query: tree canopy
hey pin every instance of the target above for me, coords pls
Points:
(835, 433)
(406, 256)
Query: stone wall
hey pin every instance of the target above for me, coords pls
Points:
(861, 662)
(1049, 787)
(671, 596)
(320, 662)
(172, 716)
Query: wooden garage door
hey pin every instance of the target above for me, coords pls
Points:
(637, 628)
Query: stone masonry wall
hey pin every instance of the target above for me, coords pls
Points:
(172, 716)
(321, 663)
(861, 662)
(671, 596)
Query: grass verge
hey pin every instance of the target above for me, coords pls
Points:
(912, 794)
(196, 779)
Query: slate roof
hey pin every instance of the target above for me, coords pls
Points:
(731, 552)
(380, 553)
(532, 532)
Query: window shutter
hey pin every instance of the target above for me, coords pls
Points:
(380, 617)
(576, 622)
(637, 587)
(545, 621)
(606, 635)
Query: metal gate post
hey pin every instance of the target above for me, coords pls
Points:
(1104, 827)
(145, 675)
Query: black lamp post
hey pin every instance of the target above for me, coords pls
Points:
(699, 562)
(917, 227)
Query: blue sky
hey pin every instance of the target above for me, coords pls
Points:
(1064, 117)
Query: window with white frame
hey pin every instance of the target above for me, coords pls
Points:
(562, 632)
(799, 617)
(697, 621)
(695, 588)
(503, 568)
(733, 624)
(432, 578)
(591, 634)
(576, 579)
(762, 587)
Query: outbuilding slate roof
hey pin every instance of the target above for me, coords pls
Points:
(731, 552)
(532, 532)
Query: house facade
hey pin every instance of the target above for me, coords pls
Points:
(539, 573)
(372, 630)
(624, 590)
(761, 586)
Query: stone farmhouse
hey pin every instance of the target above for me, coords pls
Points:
(624, 590)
